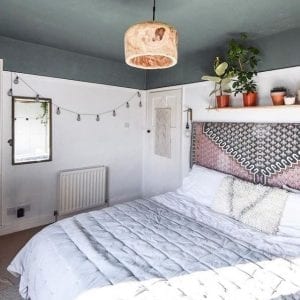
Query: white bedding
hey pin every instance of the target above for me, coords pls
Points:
(167, 247)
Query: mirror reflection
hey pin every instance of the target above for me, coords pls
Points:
(31, 130)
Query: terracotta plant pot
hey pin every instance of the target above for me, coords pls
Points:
(249, 99)
(223, 101)
(278, 98)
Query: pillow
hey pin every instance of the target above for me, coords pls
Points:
(290, 221)
(253, 204)
(201, 184)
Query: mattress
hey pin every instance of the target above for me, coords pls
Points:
(166, 247)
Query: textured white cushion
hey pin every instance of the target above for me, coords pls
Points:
(290, 221)
(253, 204)
(201, 184)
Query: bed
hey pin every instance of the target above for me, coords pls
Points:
(171, 246)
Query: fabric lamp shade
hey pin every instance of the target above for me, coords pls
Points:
(151, 45)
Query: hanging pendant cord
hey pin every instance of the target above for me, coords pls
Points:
(154, 10)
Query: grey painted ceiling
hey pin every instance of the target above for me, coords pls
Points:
(96, 27)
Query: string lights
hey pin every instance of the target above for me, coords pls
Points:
(18, 79)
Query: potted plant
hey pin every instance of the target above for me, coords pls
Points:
(243, 60)
(277, 95)
(221, 80)
(289, 99)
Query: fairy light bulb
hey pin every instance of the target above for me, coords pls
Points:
(127, 104)
(98, 118)
(78, 117)
(16, 81)
(114, 113)
(139, 94)
(10, 92)
(37, 98)
(58, 111)
(140, 104)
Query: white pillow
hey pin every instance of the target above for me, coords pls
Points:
(201, 184)
(290, 220)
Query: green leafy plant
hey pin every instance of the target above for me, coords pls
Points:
(44, 116)
(280, 89)
(221, 79)
(243, 60)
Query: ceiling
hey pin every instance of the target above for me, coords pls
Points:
(96, 27)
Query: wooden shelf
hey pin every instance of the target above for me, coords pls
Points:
(256, 107)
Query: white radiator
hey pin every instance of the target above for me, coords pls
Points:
(81, 189)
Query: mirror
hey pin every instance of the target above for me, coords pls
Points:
(31, 130)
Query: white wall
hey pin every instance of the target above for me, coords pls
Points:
(1, 124)
(75, 145)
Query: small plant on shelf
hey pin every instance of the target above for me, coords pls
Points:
(243, 60)
(277, 95)
(221, 80)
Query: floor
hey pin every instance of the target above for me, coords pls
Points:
(9, 246)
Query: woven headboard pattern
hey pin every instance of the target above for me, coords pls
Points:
(266, 153)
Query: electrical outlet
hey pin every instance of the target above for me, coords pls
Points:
(12, 211)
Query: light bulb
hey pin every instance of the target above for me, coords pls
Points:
(58, 111)
(127, 104)
(10, 92)
(78, 117)
(98, 118)
(114, 113)
(16, 81)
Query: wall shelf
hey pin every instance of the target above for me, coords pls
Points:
(278, 107)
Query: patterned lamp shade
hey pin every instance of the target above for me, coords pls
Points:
(151, 45)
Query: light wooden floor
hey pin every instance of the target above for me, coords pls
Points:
(9, 246)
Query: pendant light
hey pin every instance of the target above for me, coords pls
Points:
(151, 45)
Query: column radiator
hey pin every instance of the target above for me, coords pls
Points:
(81, 189)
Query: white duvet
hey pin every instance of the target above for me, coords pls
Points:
(167, 247)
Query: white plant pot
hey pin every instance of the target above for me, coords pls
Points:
(288, 100)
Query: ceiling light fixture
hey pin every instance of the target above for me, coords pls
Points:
(151, 45)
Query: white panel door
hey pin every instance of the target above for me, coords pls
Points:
(163, 173)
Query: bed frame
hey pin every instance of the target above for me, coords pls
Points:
(266, 153)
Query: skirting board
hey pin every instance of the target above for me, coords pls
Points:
(82, 211)
(26, 224)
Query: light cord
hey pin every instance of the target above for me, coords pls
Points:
(154, 9)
